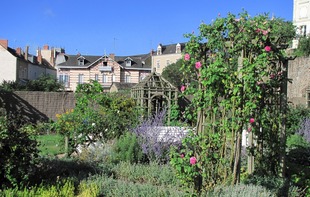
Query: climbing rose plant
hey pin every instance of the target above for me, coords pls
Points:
(235, 70)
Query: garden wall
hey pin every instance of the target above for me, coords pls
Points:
(37, 106)
(299, 72)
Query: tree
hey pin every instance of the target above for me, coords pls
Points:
(173, 73)
(46, 83)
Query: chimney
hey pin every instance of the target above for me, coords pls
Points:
(112, 56)
(46, 47)
(4, 43)
(26, 53)
(19, 51)
(52, 60)
(152, 52)
(39, 58)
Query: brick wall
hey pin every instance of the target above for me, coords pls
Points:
(299, 72)
(37, 106)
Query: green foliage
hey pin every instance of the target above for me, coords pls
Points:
(60, 189)
(153, 173)
(208, 168)
(298, 162)
(97, 116)
(88, 190)
(46, 83)
(233, 68)
(18, 154)
(241, 190)
(50, 144)
(295, 116)
(173, 74)
(128, 149)
(303, 48)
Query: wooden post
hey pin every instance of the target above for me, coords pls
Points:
(250, 156)
(66, 146)
(283, 109)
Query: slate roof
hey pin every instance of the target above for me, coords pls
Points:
(140, 62)
(170, 49)
(72, 61)
(31, 59)
(137, 61)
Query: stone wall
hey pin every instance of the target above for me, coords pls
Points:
(37, 106)
(299, 72)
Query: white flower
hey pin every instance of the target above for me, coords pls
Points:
(93, 124)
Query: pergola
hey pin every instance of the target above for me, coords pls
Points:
(154, 93)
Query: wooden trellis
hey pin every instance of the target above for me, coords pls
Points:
(154, 93)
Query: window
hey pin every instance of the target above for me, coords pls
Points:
(64, 79)
(80, 79)
(113, 78)
(104, 78)
(168, 62)
(178, 48)
(128, 62)
(80, 61)
(96, 77)
(158, 64)
(303, 30)
(127, 78)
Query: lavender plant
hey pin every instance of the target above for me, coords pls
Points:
(304, 129)
(155, 139)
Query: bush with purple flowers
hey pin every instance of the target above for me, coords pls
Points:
(156, 139)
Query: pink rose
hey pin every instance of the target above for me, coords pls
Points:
(192, 160)
(252, 120)
(183, 88)
(198, 65)
(267, 48)
(182, 155)
(187, 57)
(265, 32)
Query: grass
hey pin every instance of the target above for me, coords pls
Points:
(50, 144)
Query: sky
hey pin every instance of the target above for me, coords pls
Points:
(122, 27)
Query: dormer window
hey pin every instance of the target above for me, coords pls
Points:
(178, 48)
(81, 61)
(159, 50)
(128, 61)
(105, 61)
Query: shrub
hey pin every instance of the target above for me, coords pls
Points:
(18, 154)
(112, 187)
(295, 116)
(304, 129)
(156, 140)
(127, 149)
(152, 173)
(60, 189)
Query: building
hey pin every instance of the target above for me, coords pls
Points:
(301, 19)
(77, 69)
(18, 65)
(165, 55)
